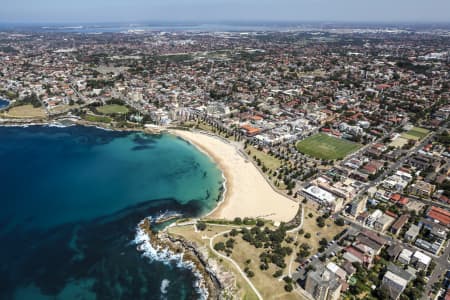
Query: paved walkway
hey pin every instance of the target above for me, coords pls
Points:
(255, 290)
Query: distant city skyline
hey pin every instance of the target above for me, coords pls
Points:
(64, 11)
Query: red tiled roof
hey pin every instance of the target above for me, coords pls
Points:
(404, 201)
(439, 214)
(396, 197)
(391, 214)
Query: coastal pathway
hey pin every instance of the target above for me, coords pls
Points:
(211, 240)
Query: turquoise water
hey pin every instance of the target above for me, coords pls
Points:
(71, 200)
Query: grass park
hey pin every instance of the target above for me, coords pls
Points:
(112, 109)
(323, 146)
(99, 119)
(416, 134)
(25, 112)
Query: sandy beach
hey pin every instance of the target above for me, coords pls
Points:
(248, 194)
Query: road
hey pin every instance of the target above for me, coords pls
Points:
(442, 265)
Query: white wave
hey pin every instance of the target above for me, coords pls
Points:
(58, 125)
(166, 256)
(164, 285)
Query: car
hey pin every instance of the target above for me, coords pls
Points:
(315, 256)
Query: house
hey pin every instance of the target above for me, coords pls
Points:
(405, 256)
(421, 260)
(372, 168)
(394, 251)
(393, 284)
(398, 225)
(421, 189)
(412, 233)
(383, 222)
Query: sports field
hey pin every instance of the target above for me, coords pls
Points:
(416, 133)
(323, 146)
(112, 109)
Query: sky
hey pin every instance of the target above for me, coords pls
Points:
(70, 11)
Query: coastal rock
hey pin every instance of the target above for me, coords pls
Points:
(214, 281)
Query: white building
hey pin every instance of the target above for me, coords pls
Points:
(405, 256)
(393, 284)
(421, 260)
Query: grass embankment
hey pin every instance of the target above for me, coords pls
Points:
(416, 133)
(323, 146)
(25, 112)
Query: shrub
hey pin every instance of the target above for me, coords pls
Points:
(277, 273)
(307, 235)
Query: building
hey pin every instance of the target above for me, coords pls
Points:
(323, 284)
(383, 222)
(393, 284)
(421, 188)
(398, 225)
(412, 233)
(405, 256)
(338, 271)
(421, 260)
(440, 215)
(322, 197)
(373, 217)
(432, 248)
(358, 206)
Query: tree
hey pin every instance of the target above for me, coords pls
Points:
(200, 226)
(288, 287)
(220, 246)
(234, 232)
(229, 243)
(323, 242)
(339, 222)
(307, 235)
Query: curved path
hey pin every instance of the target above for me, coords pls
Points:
(211, 239)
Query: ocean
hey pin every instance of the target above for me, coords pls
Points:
(71, 201)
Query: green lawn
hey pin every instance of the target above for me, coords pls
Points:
(94, 118)
(112, 109)
(323, 146)
(416, 133)
(270, 162)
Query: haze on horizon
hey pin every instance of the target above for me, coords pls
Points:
(69, 11)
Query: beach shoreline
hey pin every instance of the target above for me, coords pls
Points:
(247, 193)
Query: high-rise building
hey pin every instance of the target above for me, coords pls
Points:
(323, 284)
